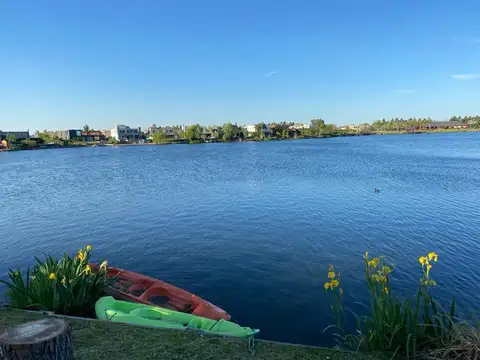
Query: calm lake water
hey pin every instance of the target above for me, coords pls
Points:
(252, 227)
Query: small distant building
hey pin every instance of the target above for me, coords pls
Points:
(434, 125)
(152, 129)
(357, 127)
(71, 134)
(301, 126)
(169, 131)
(93, 136)
(250, 129)
(126, 133)
(16, 134)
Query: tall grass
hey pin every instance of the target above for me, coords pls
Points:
(65, 286)
(405, 328)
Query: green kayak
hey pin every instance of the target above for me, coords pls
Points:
(107, 308)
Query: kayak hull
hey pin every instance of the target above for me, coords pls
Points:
(131, 286)
(109, 309)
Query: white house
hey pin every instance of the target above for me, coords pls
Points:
(250, 128)
(125, 133)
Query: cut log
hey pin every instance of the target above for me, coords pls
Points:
(47, 339)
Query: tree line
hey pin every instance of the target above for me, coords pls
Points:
(262, 131)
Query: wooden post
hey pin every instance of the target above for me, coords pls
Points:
(47, 339)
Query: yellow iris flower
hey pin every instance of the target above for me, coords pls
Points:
(331, 274)
(432, 256)
(423, 260)
(80, 255)
(88, 270)
(374, 263)
(88, 248)
(52, 276)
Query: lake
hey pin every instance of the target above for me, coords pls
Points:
(252, 227)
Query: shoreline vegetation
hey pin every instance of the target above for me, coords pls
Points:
(95, 339)
(229, 132)
(393, 326)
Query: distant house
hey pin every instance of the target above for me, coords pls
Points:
(71, 134)
(169, 131)
(93, 136)
(152, 129)
(250, 129)
(125, 133)
(301, 126)
(357, 127)
(16, 134)
(434, 125)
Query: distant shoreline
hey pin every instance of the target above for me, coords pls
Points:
(185, 142)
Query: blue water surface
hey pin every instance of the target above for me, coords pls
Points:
(252, 227)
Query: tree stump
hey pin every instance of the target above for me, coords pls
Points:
(47, 339)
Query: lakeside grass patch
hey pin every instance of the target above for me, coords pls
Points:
(98, 340)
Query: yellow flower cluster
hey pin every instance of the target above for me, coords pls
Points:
(381, 275)
(82, 254)
(334, 279)
(52, 276)
(425, 261)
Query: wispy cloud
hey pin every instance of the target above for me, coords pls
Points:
(465, 76)
(404, 91)
(271, 73)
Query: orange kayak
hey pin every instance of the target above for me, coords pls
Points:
(131, 286)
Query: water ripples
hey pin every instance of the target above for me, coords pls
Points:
(253, 226)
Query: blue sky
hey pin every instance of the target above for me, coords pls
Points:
(67, 63)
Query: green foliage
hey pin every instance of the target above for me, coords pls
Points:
(158, 137)
(396, 124)
(11, 139)
(112, 141)
(397, 327)
(45, 136)
(67, 286)
(193, 133)
(317, 124)
(29, 143)
(86, 127)
(259, 130)
(229, 131)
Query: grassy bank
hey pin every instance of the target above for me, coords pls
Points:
(101, 340)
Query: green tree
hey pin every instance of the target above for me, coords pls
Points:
(259, 134)
(28, 143)
(44, 136)
(158, 137)
(86, 127)
(317, 126)
(229, 131)
(11, 139)
(193, 132)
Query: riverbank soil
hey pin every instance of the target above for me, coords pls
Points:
(107, 340)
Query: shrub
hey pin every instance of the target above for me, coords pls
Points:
(67, 286)
(393, 326)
